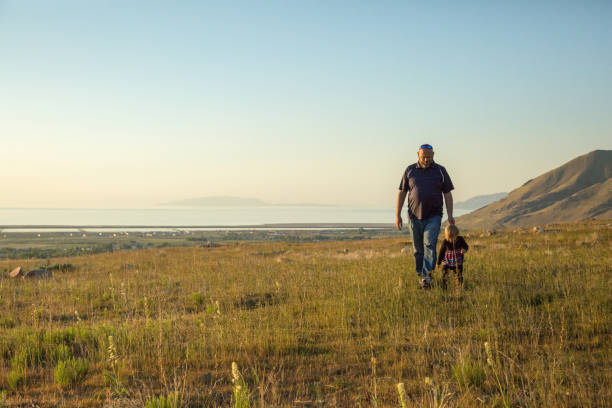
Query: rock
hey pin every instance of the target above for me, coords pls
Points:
(491, 233)
(407, 249)
(18, 271)
(38, 273)
(537, 229)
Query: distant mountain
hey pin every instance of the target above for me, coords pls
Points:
(218, 201)
(580, 189)
(227, 201)
(479, 201)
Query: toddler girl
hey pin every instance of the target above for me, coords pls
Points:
(451, 254)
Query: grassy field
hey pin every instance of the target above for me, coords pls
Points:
(334, 324)
(44, 244)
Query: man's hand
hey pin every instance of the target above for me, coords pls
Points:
(401, 196)
(398, 222)
(451, 220)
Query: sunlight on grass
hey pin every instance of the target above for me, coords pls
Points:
(330, 324)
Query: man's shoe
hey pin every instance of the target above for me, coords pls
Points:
(425, 284)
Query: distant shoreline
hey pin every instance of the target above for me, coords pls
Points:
(244, 226)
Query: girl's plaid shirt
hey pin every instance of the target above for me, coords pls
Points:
(451, 254)
(453, 258)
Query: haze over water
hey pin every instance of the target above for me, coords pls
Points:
(208, 216)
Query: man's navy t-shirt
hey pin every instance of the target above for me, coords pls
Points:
(425, 186)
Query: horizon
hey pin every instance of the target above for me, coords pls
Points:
(176, 204)
(125, 106)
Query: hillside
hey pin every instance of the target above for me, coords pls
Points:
(578, 190)
(479, 201)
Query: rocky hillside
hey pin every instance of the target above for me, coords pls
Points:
(580, 189)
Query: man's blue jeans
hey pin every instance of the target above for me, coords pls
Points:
(424, 240)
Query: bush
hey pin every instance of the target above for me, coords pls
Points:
(197, 299)
(170, 401)
(61, 353)
(7, 323)
(66, 336)
(65, 267)
(30, 354)
(15, 378)
(70, 372)
(469, 373)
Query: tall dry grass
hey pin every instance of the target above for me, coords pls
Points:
(317, 324)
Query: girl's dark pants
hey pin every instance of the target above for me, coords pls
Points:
(458, 271)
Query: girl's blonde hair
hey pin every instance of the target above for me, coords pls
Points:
(450, 232)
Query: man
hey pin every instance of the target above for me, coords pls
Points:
(425, 182)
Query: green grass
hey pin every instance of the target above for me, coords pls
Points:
(70, 372)
(169, 401)
(469, 373)
(304, 321)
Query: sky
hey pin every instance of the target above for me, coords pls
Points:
(127, 104)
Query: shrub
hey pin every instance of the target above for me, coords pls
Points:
(197, 300)
(15, 377)
(30, 354)
(169, 401)
(61, 353)
(469, 373)
(20, 359)
(70, 372)
(7, 323)
(65, 267)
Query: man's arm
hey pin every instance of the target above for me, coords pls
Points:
(401, 196)
(448, 199)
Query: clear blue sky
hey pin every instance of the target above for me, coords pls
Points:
(131, 103)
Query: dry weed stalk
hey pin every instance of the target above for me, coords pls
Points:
(401, 391)
(241, 392)
(160, 342)
(562, 332)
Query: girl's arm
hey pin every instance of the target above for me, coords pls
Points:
(441, 253)
(464, 245)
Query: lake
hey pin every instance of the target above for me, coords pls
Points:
(202, 216)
